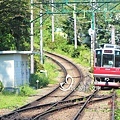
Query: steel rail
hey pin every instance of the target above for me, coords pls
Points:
(80, 72)
(113, 96)
(24, 107)
(84, 105)
(45, 113)
(41, 98)
(71, 91)
(60, 102)
(52, 103)
(46, 105)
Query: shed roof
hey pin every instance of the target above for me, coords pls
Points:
(17, 52)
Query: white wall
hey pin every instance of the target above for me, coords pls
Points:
(25, 69)
(7, 70)
(17, 70)
(14, 69)
(21, 69)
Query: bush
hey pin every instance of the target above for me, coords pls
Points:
(75, 53)
(65, 48)
(117, 114)
(26, 90)
(1, 86)
(42, 80)
(52, 45)
(37, 65)
(7, 92)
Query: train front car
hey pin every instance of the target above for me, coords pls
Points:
(107, 66)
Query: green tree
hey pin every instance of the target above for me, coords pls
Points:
(14, 25)
(1, 86)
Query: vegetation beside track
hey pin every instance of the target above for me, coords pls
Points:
(81, 55)
(117, 111)
(12, 100)
(18, 99)
(52, 73)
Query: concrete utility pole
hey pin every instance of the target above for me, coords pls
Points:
(75, 35)
(92, 32)
(41, 36)
(52, 22)
(113, 34)
(32, 33)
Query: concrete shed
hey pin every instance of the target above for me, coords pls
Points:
(14, 68)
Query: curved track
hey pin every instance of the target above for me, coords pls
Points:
(61, 92)
(60, 99)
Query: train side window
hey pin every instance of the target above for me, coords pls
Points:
(98, 58)
(117, 58)
(98, 61)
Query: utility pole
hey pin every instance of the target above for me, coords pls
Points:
(92, 31)
(113, 34)
(32, 33)
(75, 35)
(41, 36)
(52, 21)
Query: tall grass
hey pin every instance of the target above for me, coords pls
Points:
(117, 111)
(83, 58)
(11, 100)
(52, 71)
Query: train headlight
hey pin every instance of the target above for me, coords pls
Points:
(107, 79)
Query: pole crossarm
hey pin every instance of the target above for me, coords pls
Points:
(77, 1)
(38, 17)
(115, 6)
(66, 6)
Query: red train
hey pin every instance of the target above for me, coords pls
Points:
(107, 66)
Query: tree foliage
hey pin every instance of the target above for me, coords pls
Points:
(103, 20)
(14, 25)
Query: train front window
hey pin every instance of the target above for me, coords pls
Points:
(108, 60)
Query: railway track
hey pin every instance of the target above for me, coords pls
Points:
(60, 104)
(79, 107)
(60, 93)
(108, 102)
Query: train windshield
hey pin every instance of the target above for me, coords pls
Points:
(108, 60)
